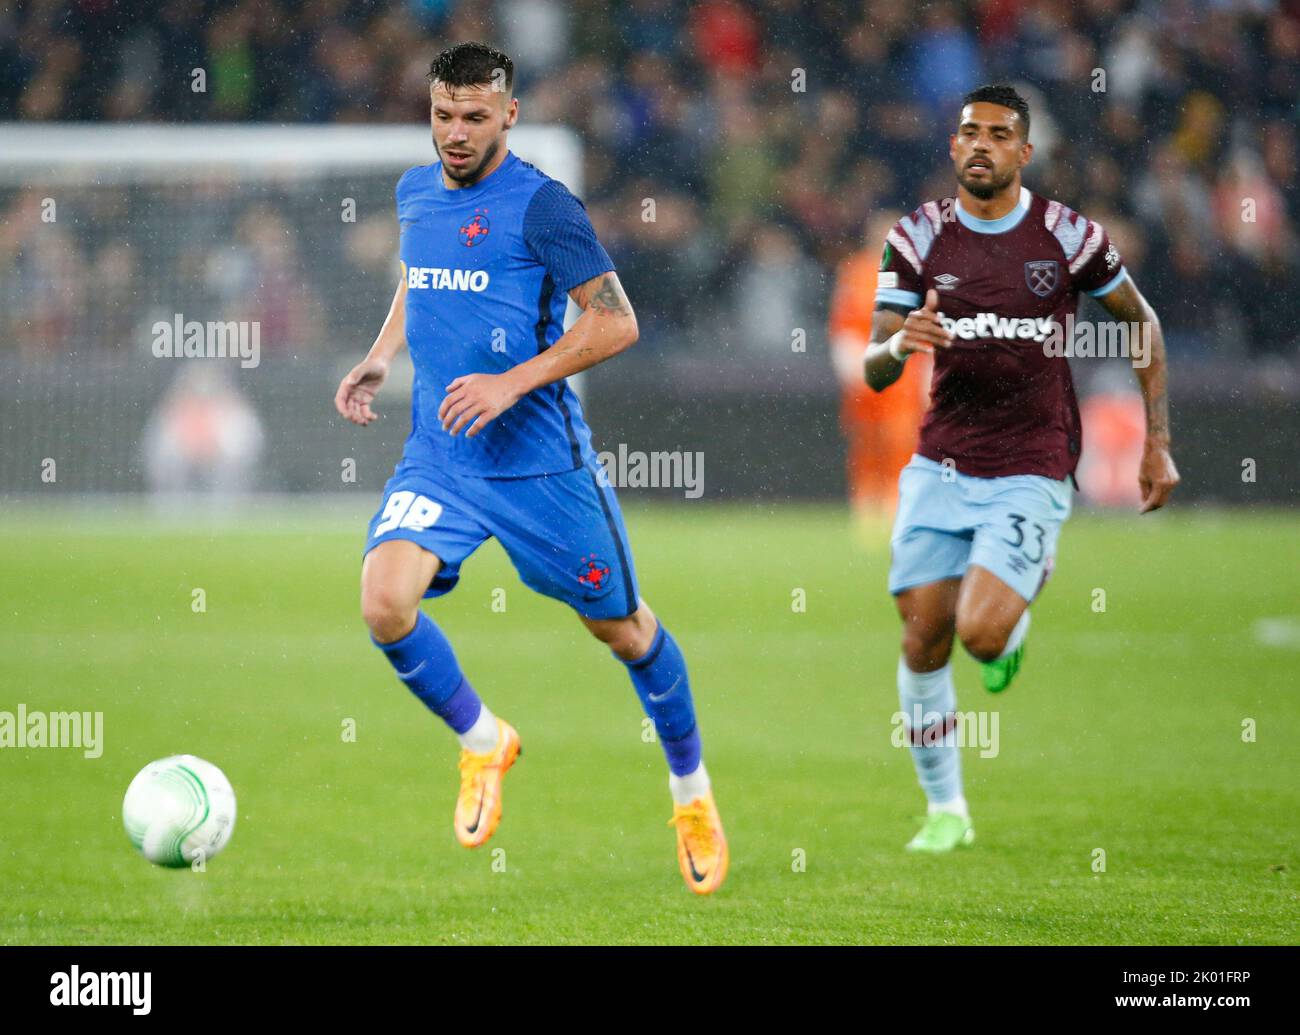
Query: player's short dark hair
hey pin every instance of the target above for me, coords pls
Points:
(472, 64)
(1005, 95)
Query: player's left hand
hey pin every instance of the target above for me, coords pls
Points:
(1157, 476)
(477, 398)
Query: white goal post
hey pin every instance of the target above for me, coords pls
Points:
(79, 153)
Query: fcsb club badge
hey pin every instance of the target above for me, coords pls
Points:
(594, 575)
(1041, 276)
(475, 229)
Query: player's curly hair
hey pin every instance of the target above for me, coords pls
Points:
(472, 64)
(1004, 94)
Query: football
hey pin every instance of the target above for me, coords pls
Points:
(178, 810)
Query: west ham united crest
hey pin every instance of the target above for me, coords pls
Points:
(1041, 277)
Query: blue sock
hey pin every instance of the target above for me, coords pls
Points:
(659, 677)
(425, 662)
(929, 702)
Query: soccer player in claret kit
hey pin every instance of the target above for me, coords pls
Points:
(491, 250)
(980, 280)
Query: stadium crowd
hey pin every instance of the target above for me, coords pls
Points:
(767, 134)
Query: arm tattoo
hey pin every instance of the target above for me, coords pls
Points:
(1157, 411)
(608, 297)
(1125, 303)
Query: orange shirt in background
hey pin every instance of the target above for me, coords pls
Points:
(881, 427)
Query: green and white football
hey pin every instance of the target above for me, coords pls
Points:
(179, 809)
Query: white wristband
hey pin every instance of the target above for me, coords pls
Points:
(892, 346)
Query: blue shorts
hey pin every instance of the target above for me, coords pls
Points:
(947, 520)
(563, 532)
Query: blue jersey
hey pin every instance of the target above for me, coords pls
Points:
(488, 269)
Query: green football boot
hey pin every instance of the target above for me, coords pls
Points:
(942, 832)
(998, 674)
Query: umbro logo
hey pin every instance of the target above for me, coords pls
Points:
(946, 281)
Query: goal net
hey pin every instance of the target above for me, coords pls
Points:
(118, 241)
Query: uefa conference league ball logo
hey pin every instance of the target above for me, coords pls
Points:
(179, 811)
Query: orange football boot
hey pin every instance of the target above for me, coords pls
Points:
(478, 806)
(701, 845)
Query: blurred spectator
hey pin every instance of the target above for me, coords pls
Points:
(535, 33)
(767, 132)
(204, 438)
(880, 427)
(726, 36)
(946, 62)
(1114, 429)
(777, 291)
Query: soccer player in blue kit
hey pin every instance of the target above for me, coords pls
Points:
(491, 249)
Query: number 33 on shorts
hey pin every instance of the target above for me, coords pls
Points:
(1007, 525)
(1033, 553)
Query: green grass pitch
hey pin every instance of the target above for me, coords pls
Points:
(1124, 732)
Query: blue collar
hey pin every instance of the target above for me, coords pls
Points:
(996, 226)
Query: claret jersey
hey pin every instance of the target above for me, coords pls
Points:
(1001, 403)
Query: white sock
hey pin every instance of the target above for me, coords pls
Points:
(685, 789)
(926, 698)
(1017, 636)
(957, 807)
(483, 736)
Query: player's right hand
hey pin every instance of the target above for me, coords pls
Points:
(923, 330)
(357, 390)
